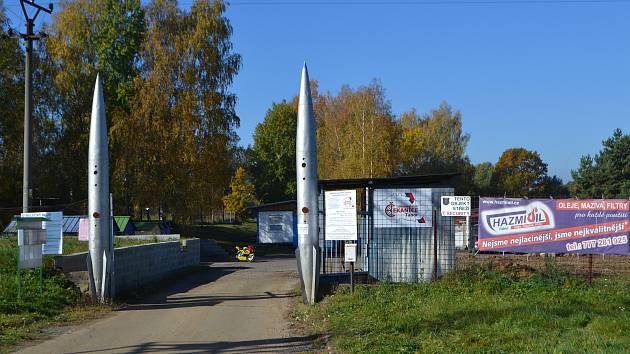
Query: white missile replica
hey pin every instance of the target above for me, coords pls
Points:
(99, 235)
(307, 253)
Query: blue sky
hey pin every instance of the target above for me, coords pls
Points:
(551, 77)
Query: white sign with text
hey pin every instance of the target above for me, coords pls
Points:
(350, 252)
(341, 215)
(453, 205)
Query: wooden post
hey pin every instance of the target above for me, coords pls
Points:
(18, 278)
(351, 277)
(590, 269)
(435, 252)
(41, 280)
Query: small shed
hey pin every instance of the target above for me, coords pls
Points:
(401, 235)
(71, 224)
(276, 223)
(123, 225)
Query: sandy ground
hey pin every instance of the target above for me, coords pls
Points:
(224, 308)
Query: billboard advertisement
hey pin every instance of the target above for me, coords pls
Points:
(403, 208)
(596, 226)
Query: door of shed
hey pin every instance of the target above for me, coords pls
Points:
(276, 227)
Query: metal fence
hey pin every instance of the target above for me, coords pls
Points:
(218, 216)
(388, 252)
(420, 254)
(582, 266)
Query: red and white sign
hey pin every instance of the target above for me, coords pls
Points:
(403, 208)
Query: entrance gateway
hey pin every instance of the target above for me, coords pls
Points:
(401, 235)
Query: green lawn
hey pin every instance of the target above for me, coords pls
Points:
(479, 310)
(60, 301)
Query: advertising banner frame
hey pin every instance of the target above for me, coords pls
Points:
(520, 225)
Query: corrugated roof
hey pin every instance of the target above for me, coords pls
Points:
(70, 224)
(286, 204)
(10, 229)
(442, 179)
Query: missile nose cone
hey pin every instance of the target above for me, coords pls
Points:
(305, 87)
(98, 123)
(97, 99)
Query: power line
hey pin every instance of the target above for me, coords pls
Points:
(407, 3)
(420, 2)
(17, 16)
(52, 206)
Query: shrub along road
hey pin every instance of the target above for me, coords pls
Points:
(224, 307)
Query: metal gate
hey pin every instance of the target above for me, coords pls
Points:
(397, 254)
(333, 251)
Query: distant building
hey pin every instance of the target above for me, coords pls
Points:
(276, 223)
(70, 225)
(123, 225)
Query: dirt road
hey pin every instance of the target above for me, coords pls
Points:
(224, 308)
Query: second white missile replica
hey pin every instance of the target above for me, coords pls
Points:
(99, 234)
(307, 253)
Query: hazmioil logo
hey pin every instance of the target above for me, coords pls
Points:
(533, 217)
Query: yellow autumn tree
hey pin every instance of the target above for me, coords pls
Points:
(241, 194)
(434, 142)
(356, 134)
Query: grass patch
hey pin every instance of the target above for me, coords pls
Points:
(479, 310)
(60, 302)
(228, 236)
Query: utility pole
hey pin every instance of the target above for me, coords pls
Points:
(29, 37)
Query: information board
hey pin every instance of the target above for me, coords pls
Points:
(275, 227)
(54, 231)
(341, 215)
(30, 239)
(30, 256)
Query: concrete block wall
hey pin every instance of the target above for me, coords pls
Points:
(170, 237)
(136, 266)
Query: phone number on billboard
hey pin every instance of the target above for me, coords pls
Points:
(600, 242)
